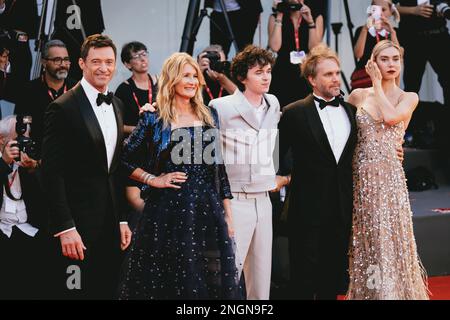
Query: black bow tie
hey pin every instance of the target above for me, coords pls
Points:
(336, 102)
(106, 98)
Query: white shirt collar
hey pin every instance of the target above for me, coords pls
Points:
(263, 104)
(90, 91)
(315, 95)
(317, 102)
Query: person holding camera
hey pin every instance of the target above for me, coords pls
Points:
(295, 27)
(216, 72)
(425, 38)
(23, 231)
(37, 94)
(243, 15)
(19, 22)
(377, 28)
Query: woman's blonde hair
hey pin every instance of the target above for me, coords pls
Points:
(384, 44)
(171, 74)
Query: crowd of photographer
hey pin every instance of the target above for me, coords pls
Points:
(425, 38)
(377, 28)
(422, 33)
(294, 28)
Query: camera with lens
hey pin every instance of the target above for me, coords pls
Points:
(286, 7)
(25, 144)
(215, 64)
(442, 8)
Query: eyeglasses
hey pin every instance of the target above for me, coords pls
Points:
(58, 60)
(142, 54)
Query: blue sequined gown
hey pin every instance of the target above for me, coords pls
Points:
(180, 247)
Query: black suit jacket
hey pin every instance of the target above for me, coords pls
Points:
(321, 189)
(82, 192)
(32, 195)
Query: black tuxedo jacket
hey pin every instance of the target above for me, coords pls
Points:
(321, 189)
(32, 195)
(82, 192)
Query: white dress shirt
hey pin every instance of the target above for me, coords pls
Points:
(13, 212)
(337, 126)
(260, 111)
(105, 117)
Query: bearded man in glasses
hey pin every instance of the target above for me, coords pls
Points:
(34, 98)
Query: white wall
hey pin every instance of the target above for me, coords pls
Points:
(159, 24)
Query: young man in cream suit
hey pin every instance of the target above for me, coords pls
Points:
(248, 125)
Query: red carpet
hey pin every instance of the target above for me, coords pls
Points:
(439, 288)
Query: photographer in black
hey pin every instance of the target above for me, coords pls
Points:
(19, 22)
(37, 94)
(295, 27)
(424, 35)
(216, 71)
(23, 220)
(243, 15)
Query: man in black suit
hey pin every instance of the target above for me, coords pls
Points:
(320, 130)
(83, 132)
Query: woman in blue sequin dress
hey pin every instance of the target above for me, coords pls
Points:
(182, 246)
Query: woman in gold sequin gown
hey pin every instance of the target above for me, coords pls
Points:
(383, 257)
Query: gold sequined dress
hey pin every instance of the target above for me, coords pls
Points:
(384, 264)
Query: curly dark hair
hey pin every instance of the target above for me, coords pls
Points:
(96, 41)
(247, 59)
